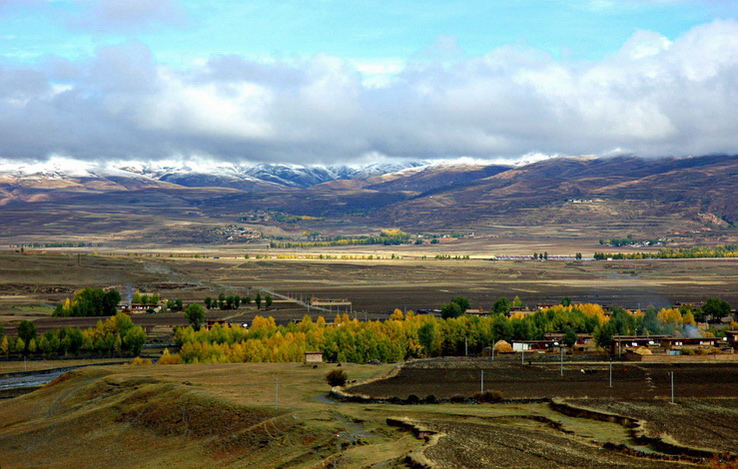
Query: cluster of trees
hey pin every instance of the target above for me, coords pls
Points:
(401, 337)
(458, 306)
(235, 301)
(68, 244)
(386, 237)
(226, 302)
(148, 300)
(89, 302)
(115, 336)
(448, 257)
(696, 252)
(629, 241)
(407, 335)
(287, 218)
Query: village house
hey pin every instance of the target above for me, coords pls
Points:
(480, 313)
(313, 357)
(732, 339)
(621, 343)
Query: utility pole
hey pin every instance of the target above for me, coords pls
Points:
(562, 360)
(611, 372)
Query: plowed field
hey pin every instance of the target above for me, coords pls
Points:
(448, 377)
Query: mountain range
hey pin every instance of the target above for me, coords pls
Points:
(584, 196)
(256, 176)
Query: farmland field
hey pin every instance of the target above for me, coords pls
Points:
(445, 378)
(520, 443)
(701, 423)
(31, 284)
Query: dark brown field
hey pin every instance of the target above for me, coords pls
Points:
(445, 378)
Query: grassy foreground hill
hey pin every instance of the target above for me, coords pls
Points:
(231, 416)
(190, 416)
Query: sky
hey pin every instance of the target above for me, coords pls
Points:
(336, 81)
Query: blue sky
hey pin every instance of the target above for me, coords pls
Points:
(353, 29)
(326, 80)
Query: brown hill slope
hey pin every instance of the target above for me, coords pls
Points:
(650, 196)
(664, 187)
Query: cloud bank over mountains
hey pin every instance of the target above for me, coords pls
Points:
(653, 97)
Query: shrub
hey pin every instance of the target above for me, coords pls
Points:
(168, 359)
(336, 377)
(457, 399)
(413, 399)
(431, 399)
(488, 396)
(140, 361)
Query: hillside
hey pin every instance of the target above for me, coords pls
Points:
(567, 196)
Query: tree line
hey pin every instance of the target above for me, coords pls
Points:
(409, 335)
(695, 252)
(89, 302)
(116, 336)
(386, 237)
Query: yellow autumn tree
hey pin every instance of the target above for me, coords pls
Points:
(688, 318)
(670, 316)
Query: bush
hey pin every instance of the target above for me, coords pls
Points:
(168, 359)
(431, 399)
(336, 377)
(413, 399)
(488, 396)
(458, 399)
(140, 361)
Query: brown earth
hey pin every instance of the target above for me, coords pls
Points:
(32, 284)
(445, 378)
(519, 443)
(700, 423)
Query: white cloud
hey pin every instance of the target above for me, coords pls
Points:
(653, 97)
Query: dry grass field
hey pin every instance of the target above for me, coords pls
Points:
(32, 284)
(231, 416)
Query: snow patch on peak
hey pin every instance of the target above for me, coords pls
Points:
(201, 171)
(55, 167)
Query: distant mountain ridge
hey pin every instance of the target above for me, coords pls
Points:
(248, 176)
(585, 195)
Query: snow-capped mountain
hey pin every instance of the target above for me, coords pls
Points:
(199, 173)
